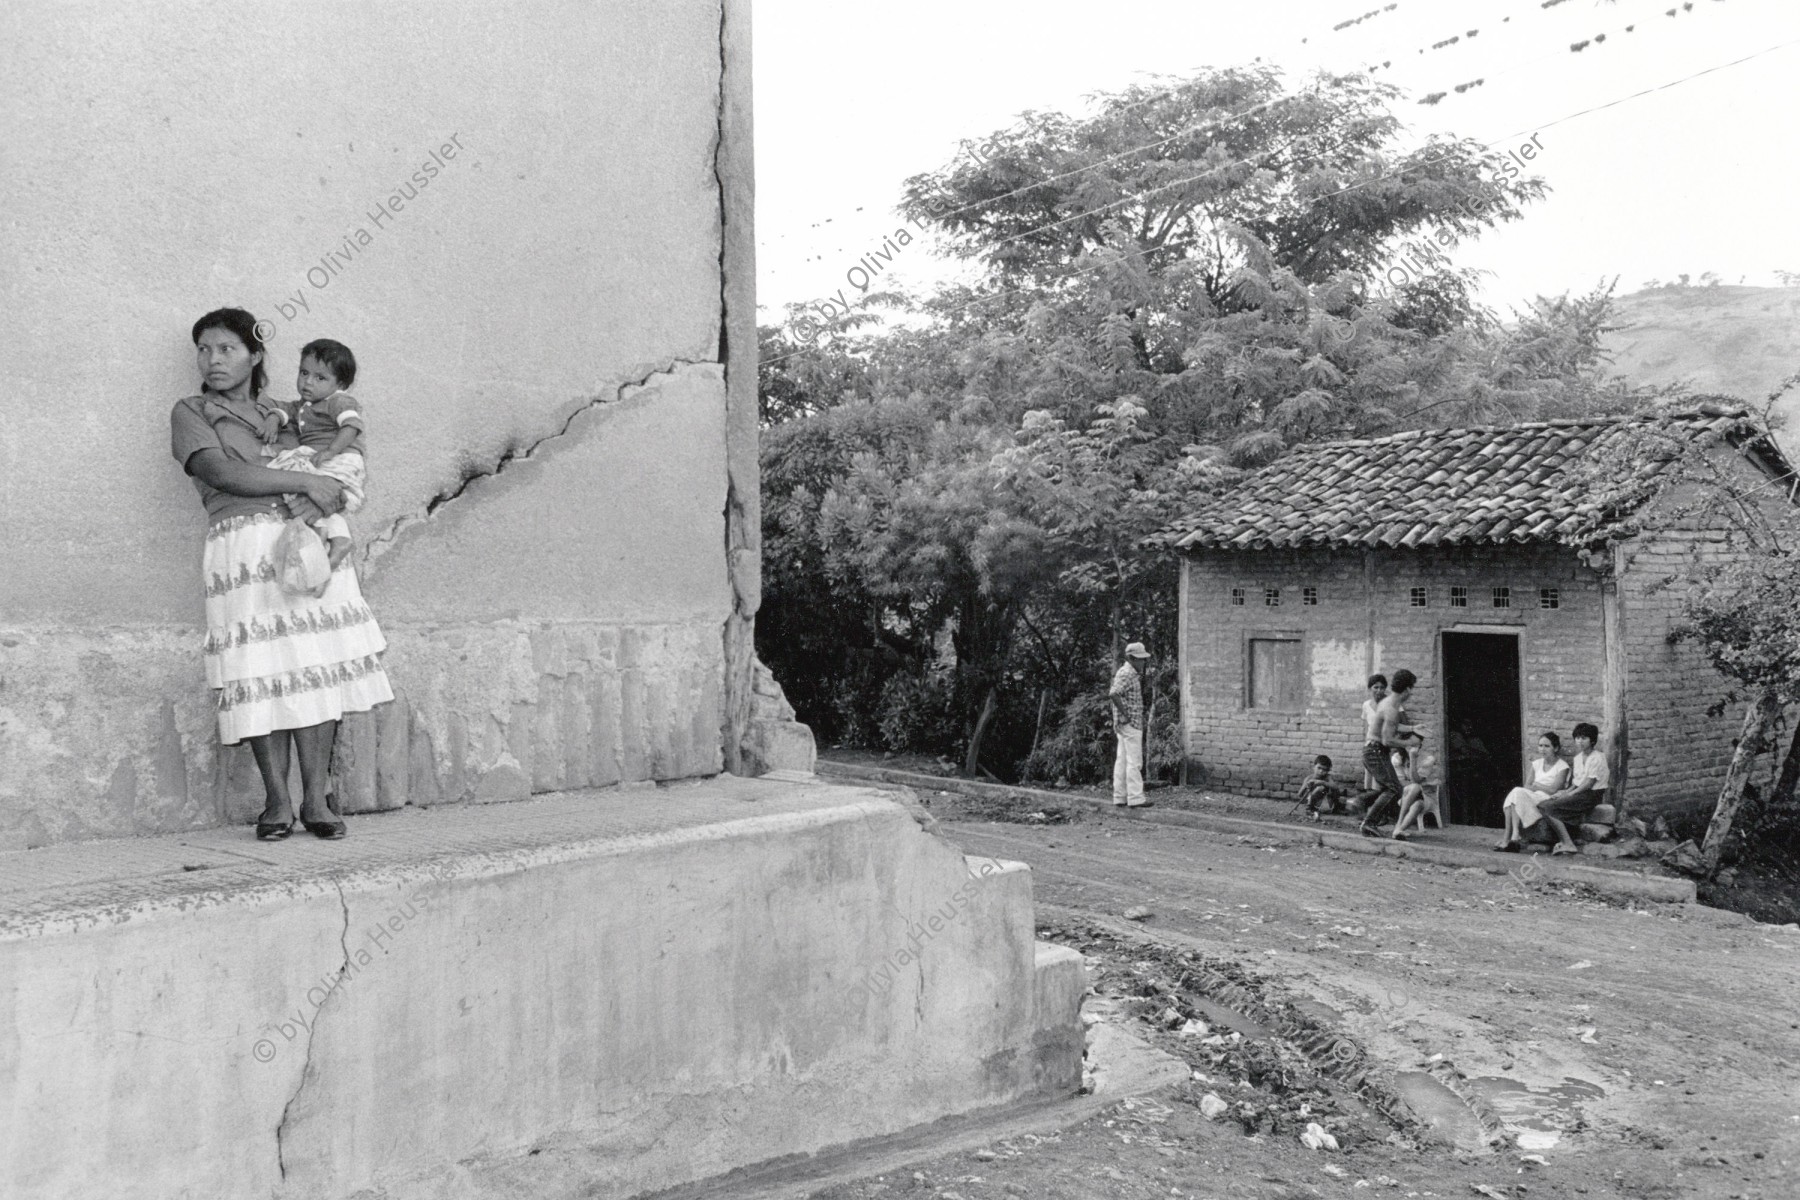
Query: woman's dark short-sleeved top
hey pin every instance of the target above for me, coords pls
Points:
(209, 422)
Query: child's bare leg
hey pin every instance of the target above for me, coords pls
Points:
(1407, 813)
(336, 532)
(1563, 840)
(1411, 800)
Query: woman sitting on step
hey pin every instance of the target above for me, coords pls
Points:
(1549, 775)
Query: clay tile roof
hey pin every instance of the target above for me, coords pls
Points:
(1425, 487)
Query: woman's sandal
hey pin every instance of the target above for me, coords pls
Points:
(1508, 848)
(330, 831)
(274, 831)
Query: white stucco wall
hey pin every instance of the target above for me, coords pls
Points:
(166, 158)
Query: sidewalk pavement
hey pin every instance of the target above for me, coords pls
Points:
(1454, 846)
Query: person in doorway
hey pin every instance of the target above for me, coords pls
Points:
(1127, 696)
(1589, 778)
(1549, 775)
(1391, 733)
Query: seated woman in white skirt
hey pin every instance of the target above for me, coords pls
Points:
(1549, 775)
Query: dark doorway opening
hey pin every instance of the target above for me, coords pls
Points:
(1484, 744)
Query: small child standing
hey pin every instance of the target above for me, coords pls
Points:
(328, 422)
(1318, 793)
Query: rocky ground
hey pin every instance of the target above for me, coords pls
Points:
(1452, 1033)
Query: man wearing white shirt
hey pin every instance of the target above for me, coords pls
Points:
(1588, 781)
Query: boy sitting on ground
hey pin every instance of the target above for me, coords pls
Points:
(1318, 793)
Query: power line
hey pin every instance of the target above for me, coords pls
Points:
(1601, 107)
(1163, 93)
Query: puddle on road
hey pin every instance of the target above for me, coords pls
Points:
(1440, 1108)
(1230, 1019)
(1536, 1117)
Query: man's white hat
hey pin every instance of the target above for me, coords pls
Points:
(1136, 650)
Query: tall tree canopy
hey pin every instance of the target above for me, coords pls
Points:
(1171, 290)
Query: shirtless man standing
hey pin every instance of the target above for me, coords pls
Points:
(1387, 733)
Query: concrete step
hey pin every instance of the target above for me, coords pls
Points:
(621, 990)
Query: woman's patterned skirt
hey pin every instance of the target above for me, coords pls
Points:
(280, 661)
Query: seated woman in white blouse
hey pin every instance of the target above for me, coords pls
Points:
(1549, 776)
(1589, 778)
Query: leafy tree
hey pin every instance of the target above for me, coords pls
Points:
(1172, 289)
(1739, 610)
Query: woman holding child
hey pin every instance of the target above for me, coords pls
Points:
(283, 666)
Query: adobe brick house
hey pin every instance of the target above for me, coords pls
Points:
(1476, 558)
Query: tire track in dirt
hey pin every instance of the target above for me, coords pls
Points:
(1505, 957)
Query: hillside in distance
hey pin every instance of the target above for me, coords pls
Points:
(1739, 341)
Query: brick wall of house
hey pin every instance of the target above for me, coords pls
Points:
(1263, 752)
(1678, 752)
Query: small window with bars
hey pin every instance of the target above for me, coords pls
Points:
(1502, 597)
(1237, 597)
(1309, 595)
(1459, 597)
(1272, 597)
(1416, 598)
(1549, 598)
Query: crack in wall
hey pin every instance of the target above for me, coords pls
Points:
(306, 1067)
(741, 534)
(385, 541)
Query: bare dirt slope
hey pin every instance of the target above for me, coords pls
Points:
(1741, 341)
(1640, 1050)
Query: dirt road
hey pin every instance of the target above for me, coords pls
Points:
(1638, 1050)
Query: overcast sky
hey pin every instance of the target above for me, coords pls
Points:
(852, 98)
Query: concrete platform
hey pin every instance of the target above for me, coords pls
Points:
(592, 993)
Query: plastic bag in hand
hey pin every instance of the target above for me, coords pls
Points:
(301, 563)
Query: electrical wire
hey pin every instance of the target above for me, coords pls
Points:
(1601, 107)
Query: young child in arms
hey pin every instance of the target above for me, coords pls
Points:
(328, 422)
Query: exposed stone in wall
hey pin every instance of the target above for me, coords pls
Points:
(775, 741)
(500, 712)
(483, 713)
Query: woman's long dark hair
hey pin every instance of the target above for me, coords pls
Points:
(241, 324)
(1555, 742)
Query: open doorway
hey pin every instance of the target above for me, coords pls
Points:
(1484, 747)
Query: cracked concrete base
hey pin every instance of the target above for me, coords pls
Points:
(635, 988)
